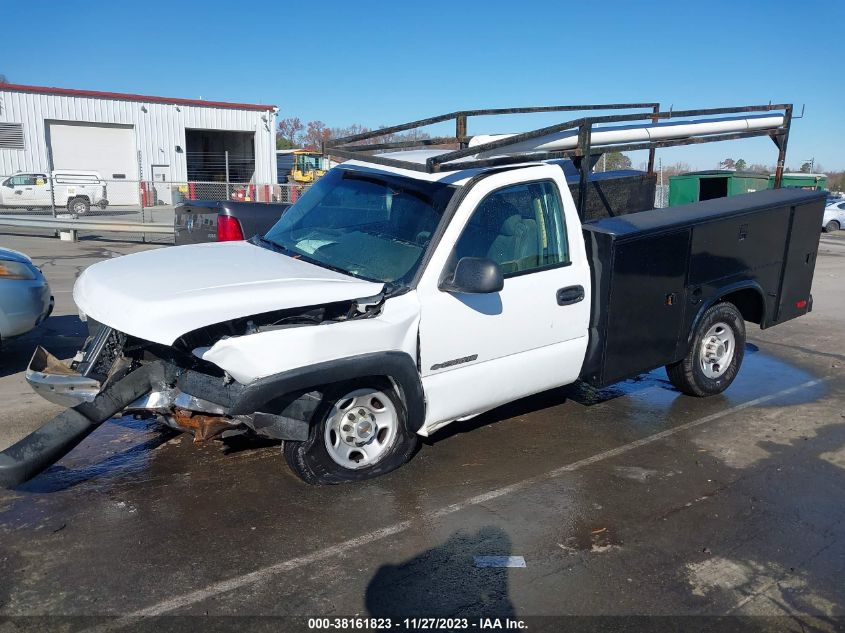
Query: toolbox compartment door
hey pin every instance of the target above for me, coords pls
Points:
(803, 247)
(647, 299)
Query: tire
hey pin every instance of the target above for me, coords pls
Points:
(103, 204)
(715, 356)
(79, 205)
(831, 226)
(382, 451)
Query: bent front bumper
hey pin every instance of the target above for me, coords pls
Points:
(54, 381)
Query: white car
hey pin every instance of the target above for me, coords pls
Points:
(75, 190)
(834, 216)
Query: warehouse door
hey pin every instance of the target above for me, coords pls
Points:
(107, 149)
(161, 183)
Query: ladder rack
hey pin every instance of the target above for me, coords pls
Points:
(583, 152)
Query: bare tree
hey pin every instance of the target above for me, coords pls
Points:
(3, 79)
(288, 131)
(316, 133)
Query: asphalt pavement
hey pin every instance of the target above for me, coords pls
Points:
(626, 502)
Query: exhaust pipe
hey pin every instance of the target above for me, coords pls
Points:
(55, 439)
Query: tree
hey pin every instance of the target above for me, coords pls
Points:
(740, 165)
(806, 168)
(759, 168)
(614, 160)
(288, 133)
(728, 163)
(3, 79)
(316, 133)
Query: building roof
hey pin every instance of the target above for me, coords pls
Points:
(730, 173)
(97, 94)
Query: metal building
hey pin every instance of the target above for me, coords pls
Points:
(166, 144)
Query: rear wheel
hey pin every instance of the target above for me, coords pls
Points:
(360, 432)
(79, 206)
(831, 226)
(715, 356)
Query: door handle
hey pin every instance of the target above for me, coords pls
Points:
(569, 295)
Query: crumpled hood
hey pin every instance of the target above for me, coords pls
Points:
(160, 295)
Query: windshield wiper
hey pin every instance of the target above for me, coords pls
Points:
(259, 240)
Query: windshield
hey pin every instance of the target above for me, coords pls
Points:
(308, 162)
(372, 226)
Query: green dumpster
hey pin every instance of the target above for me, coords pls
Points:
(718, 183)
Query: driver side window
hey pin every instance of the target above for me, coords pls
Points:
(520, 227)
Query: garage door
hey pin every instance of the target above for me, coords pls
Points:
(107, 149)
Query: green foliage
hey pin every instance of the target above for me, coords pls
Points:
(740, 165)
(614, 160)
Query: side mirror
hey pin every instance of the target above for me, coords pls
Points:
(475, 276)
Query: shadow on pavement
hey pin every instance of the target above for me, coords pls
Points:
(444, 581)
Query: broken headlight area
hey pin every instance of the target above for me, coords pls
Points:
(337, 312)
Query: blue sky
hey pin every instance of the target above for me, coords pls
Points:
(379, 63)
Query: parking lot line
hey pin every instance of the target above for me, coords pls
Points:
(499, 561)
(265, 573)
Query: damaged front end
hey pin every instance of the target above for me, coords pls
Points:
(118, 373)
(108, 356)
(202, 398)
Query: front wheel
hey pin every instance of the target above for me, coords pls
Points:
(360, 431)
(715, 356)
(831, 226)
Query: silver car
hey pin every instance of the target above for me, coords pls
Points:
(834, 216)
(25, 298)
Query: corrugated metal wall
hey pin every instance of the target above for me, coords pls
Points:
(159, 129)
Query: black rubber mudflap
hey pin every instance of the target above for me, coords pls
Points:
(47, 445)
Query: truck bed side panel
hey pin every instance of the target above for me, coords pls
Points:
(655, 272)
(748, 247)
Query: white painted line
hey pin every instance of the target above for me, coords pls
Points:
(265, 573)
(499, 561)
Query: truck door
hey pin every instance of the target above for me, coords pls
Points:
(22, 186)
(478, 351)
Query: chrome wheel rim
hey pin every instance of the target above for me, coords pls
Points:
(717, 350)
(79, 207)
(362, 426)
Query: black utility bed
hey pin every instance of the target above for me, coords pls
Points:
(655, 272)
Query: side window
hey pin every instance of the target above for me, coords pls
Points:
(22, 180)
(521, 228)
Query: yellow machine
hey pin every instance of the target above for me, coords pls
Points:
(307, 166)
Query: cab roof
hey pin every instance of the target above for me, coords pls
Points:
(458, 177)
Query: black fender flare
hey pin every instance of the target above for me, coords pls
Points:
(747, 284)
(397, 366)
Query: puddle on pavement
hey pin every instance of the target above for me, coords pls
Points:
(652, 394)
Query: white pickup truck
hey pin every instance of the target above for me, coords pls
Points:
(390, 301)
(75, 190)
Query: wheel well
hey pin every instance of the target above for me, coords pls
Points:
(749, 303)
